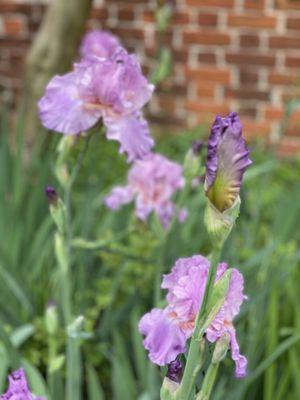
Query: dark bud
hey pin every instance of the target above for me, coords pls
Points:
(197, 146)
(175, 371)
(51, 195)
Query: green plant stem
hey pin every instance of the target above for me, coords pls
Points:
(208, 382)
(52, 352)
(195, 358)
(73, 385)
(66, 284)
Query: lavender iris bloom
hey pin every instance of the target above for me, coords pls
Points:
(18, 388)
(112, 89)
(151, 183)
(98, 43)
(164, 329)
(227, 160)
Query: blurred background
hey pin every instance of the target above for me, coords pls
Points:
(206, 57)
(221, 55)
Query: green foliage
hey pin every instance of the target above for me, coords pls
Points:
(113, 266)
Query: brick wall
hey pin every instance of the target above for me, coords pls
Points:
(241, 55)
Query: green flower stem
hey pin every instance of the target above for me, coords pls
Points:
(66, 281)
(52, 353)
(64, 256)
(195, 355)
(208, 382)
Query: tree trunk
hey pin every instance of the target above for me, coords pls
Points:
(52, 52)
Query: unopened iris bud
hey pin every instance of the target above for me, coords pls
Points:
(57, 208)
(219, 224)
(169, 389)
(221, 348)
(227, 160)
(51, 318)
(192, 162)
(51, 195)
(197, 146)
(175, 371)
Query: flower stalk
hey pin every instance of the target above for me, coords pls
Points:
(61, 214)
(196, 356)
(208, 382)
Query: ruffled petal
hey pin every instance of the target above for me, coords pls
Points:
(133, 133)
(163, 338)
(227, 160)
(98, 43)
(186, 285)
(119, 196)
(240, 360)
(119, 84)
(62, 109)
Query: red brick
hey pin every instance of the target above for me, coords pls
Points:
(167, 103)
(208, 107)
(172, 89)
(201, 37)
(246, 93)
(248, 112)
(247, 76)
(252, 128)
(273, 113)
(9, 72)
(211, 3)
(284, 42)
(209, 74)
(251, 21)
(148, 16)
(207, 58)
(293, 23)
(180, 18)
(206, 90)
(9, 7)
(14, 26)
(177, 17)
(292, 61)
(14, 44)
(293, 129)
(249, 40)
(207, 19)
(276, 78)
(99, 13)
(287, 4)
(132, 33)
(126, 14)
(165, 119)
(250, 59)
(180, 56)
(254, 4)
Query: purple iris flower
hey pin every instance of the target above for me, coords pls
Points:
(152, 182)
(227, 160)
(111, 89)
(18, 388)
(98, 43)
(164, 329)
